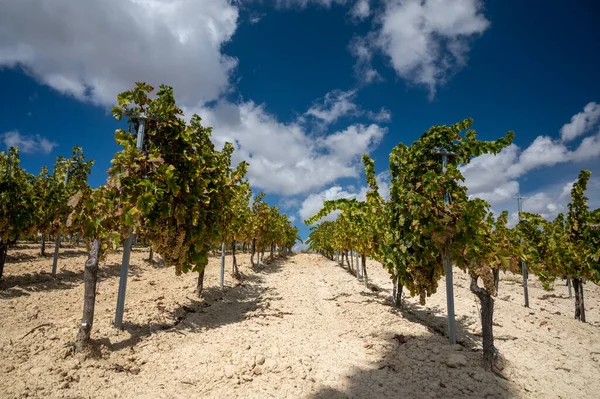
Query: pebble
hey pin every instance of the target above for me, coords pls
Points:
(36, 371)
(260, 360)
(257, 370)
(456, 360)
(228, 370)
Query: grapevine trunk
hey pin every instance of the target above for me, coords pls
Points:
(43, 246)
(579, 303)
(487, 314)
(235, 272)
(3, 251)
(200, 285)
(90, 278)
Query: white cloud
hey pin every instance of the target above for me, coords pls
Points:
(352, 142)
(384, 115)
(314, 202)
(493, 177)
(361, 10)
(306, 3)
(551, 199)
(335, 105)
(542, 152)
(543, 204)
(566, 191)
(285, 158)
(498, 195)
(426, 40)
(288, 202)
(299, 247)
(28, 143)
(93, 50)
(588, 149)
(581, 123)
(362, 50)
(291, 218)
(338, 104)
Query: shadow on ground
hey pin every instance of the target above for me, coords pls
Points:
(421, 367)
(215, 308)
(13, 286)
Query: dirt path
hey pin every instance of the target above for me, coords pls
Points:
(297, 328)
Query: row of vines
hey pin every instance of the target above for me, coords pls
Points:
(429, 223)
(169, 185)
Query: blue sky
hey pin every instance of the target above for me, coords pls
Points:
(305, 87)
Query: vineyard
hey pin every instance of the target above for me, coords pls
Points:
(174, 279)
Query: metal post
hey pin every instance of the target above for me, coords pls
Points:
(447, 262)
(222, 264)
(123, 282)
(127, 244)
(569, 286)
(450, 297)
(523, 264)
(57, 242)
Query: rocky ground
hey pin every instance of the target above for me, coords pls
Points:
(299, 327)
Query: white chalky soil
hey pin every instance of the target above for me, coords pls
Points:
(300, 327)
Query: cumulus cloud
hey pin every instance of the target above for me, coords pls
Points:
(494, 178)
(566, 191)
(581, 123)
(338, 104)
(94, 49)
(314, 202)
(500, 194)
(383, 115)
(543, 204)
(489, 173)
(299, 247)
(425, 40)
(361, 10)
(363, 51)
(335, 105)
(28, 144)
(306, 3)
(286, 158)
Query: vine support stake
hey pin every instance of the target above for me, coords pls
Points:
(127, 244)
(449, 278)
(222, 264)
(523, 264)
